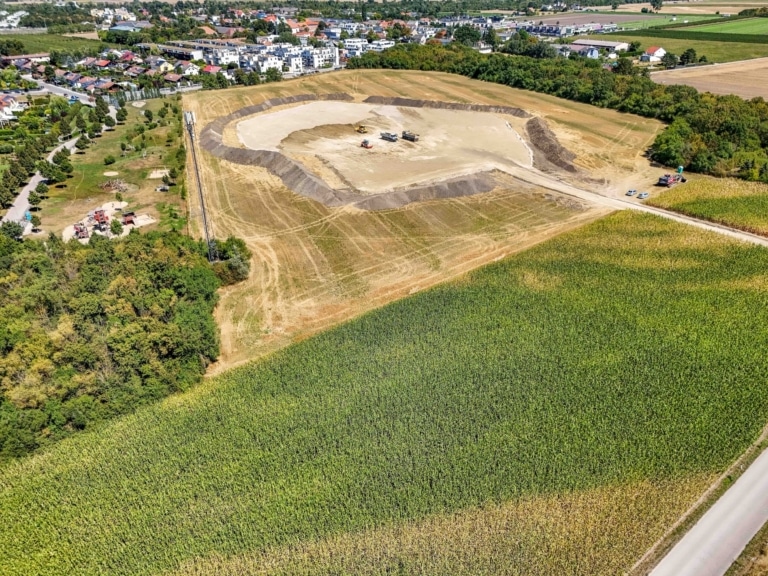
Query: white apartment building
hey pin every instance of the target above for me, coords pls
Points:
(321, 57)
(381, 45)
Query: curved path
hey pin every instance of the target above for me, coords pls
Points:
(21, 204)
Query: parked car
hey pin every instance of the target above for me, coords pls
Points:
(631, 192)
(642, 195)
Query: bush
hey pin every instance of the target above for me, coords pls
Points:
(109, 160)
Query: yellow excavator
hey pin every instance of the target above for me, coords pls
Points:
(361, 129)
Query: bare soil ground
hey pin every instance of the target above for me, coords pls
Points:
(315, 266)
(706, 7)
(747, 78)
(452, 143)
(87, 35)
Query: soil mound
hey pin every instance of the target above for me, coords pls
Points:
(296, 177)
(413, 103)
(547, 151)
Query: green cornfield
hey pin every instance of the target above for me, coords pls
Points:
(631, 351)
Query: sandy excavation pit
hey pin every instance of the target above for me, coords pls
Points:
(453, 143)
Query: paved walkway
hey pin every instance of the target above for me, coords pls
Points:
(719, 537)
(21, 202)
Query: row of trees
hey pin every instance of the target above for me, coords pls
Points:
(719, 135)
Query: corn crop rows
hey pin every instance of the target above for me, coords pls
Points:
(632, 349)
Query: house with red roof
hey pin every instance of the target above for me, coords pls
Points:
(653, 54)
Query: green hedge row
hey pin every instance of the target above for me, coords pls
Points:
(696, 36)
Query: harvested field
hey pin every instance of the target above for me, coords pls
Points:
(707, 7)
(748, 79)
(316, 264)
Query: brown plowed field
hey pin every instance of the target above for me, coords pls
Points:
(746, 78)
(315, 266)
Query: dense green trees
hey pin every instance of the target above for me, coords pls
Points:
(87, 332)
(720, 135)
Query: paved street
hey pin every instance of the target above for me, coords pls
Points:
(719, 537)
(66, 92)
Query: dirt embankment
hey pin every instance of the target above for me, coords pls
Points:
(296, 177)
(413, 103)
(547, 151)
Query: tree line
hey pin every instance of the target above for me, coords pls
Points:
(711, 134)
(90, 332)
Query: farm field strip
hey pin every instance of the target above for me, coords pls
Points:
(748, 79)
(717, 52)
(746, 26)
(583, 392)
(736, 203)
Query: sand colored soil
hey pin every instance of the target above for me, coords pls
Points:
(451, 144)
(747, 78)
(711, 7)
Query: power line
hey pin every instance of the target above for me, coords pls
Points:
(189, 120)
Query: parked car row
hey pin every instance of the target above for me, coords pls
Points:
(641, 196)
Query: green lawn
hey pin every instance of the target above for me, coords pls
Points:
(747, 26)
(631, 349)
(34, 43)
(714, 51)
(662, 20)
(133, 167)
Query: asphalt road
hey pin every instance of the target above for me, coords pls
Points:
(66, 92)
(719, 537)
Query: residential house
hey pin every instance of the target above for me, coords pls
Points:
(188, 69)
(653, 54)
(173, 78)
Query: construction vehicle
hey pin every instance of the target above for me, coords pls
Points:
(410, 136)
(81, 231)
(389, 136)
(366, 144)
(670, 180)
(361, 129)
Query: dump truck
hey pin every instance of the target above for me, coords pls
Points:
(410, 136)
(361, 129)
(366, 144)
(129, 218)
(389, 136)
(670, 180)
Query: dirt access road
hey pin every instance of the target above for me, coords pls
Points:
(745, 78)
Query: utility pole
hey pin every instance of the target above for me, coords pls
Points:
(189, 120)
